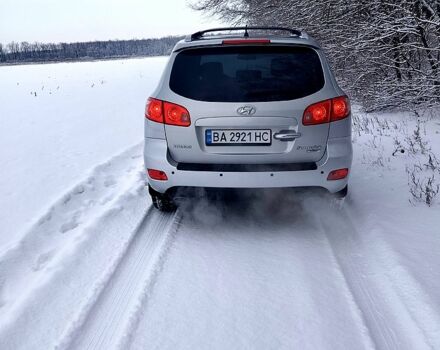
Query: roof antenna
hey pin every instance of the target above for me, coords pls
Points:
(246, 34)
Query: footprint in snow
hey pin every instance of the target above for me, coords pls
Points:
(79, 190)
(69, 226)
(67, 199)
(43, 260)
(109, 182)
(45, 218)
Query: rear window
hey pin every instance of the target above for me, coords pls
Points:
(247, 73)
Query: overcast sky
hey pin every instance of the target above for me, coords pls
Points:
(86, 20)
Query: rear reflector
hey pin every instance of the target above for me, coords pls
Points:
(338, 174)
(245, 41)
(157, 174)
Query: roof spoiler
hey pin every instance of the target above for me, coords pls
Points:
(199, 35)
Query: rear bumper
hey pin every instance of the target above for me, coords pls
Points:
(338, 155)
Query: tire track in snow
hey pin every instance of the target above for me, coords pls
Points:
(381, 307)
(419, 304)
(250, 281)
(81, 201)
(64, 288)
(43, 247)
(110, 317)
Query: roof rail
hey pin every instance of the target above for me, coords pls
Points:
(199, 35)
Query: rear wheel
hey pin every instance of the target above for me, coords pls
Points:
(162, 201)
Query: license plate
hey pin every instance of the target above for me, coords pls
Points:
(238, 137)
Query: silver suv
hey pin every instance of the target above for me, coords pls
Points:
(247, 107)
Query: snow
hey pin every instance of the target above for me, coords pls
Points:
(82, 114)
(87, 263)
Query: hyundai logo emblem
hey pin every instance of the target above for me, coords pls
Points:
(246, 110)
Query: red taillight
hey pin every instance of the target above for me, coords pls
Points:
(154, 110)
(327, 111)
(166, 112)
(340, 108)
(157, 174)
(176, 115)
(317, 113)
(245, 41)
(338, 174)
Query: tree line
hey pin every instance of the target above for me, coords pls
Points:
(40, 52)
(385, 53)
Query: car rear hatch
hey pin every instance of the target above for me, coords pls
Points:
(246, 104)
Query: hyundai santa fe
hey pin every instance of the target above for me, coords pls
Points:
(246, 107)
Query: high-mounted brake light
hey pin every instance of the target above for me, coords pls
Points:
(327, 111)
(157, 174)
(338, 174)
(166, 112)
(245, 41)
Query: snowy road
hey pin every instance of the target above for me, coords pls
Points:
(278, 271)
(242, 277)
(115, 310)
(99, 268)
(289, 280)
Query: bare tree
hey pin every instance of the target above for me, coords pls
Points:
(386, 53)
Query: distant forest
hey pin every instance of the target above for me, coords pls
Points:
(42, 52)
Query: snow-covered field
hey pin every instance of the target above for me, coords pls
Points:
(57, 122)
(86, 263)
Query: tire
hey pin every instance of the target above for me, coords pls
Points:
(342, 193)
(162, 201)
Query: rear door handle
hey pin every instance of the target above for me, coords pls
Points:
(286, 135)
